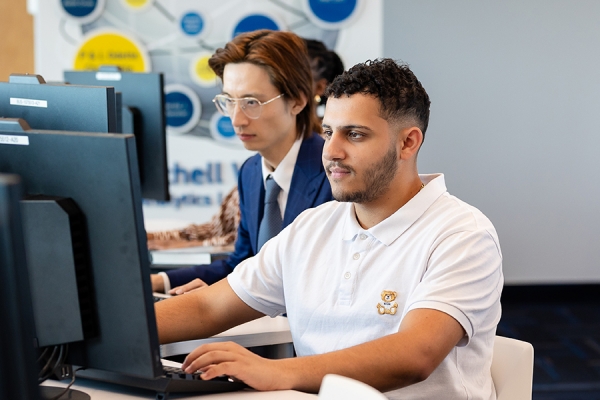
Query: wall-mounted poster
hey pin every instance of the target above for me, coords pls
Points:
(177, 37)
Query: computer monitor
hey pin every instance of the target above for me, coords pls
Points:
(87, 257)
(58, 106)
(98, 173)
(17, 360)
(143, 114)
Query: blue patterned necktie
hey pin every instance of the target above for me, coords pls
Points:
(270, 225)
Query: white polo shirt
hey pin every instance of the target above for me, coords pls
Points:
(330, 276)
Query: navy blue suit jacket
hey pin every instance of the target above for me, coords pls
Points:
(309, 188)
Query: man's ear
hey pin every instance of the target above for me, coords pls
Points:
(409, 142)
(297, 105)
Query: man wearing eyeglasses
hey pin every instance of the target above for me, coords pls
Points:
(267, 93)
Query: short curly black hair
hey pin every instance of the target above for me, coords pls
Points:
(401, 95)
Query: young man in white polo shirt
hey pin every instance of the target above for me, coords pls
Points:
(397, 284)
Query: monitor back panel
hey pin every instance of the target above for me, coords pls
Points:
(17, 365)
(145, 92)
(60, 107)
(99, 172)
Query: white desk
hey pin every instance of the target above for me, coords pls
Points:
(265, 331)
(107, 391)
(186, 256)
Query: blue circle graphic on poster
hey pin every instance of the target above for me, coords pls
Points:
(225, 128)
(331, 14)
(254, 22)
(79, 8)
(178, 109)
(221, 127)
(192, 23)
(83, 11)
(182, 108)
(221, 130)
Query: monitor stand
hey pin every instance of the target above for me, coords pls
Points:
(51, 392)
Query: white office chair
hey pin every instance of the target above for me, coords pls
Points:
(336, 387)
(512, 369)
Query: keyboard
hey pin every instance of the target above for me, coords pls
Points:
(182, 382)
(174, 380)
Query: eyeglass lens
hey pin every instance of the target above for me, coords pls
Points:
(250, 106)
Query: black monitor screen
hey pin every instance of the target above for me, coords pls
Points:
(143, 114)
(58, 106)
(98, 173)
(17, 361)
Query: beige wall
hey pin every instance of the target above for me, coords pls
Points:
(16, 38)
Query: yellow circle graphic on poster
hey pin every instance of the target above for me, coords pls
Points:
(111, 48)
(137, 5)
(201, 73)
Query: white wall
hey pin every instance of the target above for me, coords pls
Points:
(515, 121)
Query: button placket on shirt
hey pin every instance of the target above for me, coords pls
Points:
(357, 252)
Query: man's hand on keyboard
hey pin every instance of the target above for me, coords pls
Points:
(237, 362)
(188, 287)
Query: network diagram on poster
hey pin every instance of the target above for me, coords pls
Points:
(177, 37)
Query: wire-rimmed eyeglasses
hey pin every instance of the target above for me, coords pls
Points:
(249, 105)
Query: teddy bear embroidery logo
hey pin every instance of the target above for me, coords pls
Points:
(389, 306)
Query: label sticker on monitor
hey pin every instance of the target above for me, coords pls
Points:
(16, 101)
(108, 76)
(17, 140)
